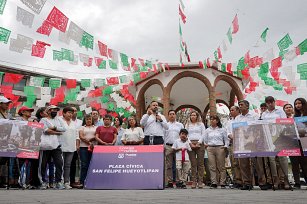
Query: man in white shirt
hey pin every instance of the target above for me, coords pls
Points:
(171, 135)
(73, 167)
(235, 168)
(245, 163)
(154, 124)
(273, 113)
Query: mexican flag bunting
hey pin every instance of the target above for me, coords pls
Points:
(285, 42)
(87, 40)
(45, 28)
(112, 64)
(2, 6)
(183, 17)
(4, 35)
(303, 47)
(219, 53)
(112, 80)
(229, 35)
(124, 59)
(264, 34)
(235, 25)
(103, 49)
(57, 19)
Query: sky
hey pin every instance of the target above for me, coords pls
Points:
(149, 29)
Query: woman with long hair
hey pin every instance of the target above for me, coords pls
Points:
(196, 129)
(216, 140)
(300, 109)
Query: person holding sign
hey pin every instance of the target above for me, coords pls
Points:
(134, 134)
(181, 147)
(282, 180)
(215, 138)
(106, 134)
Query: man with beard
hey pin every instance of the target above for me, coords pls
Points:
(154, 124)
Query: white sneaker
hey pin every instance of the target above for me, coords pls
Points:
(43, 186)
(67, 186)
(59, 186)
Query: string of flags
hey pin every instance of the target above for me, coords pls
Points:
(183, 50)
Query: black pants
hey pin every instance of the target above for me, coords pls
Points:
(157, 140)
(57, 157)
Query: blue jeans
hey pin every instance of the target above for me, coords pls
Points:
(85, 157)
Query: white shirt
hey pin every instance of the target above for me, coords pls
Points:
(250, 116)
(69, 137)
(274, 114)
(152, 127)
(215, 137)
(196, 130)
(88, 132)
(180, 144)
(172, 133)
(50, 142)
(136, 134)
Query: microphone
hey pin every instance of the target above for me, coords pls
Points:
(157, 113)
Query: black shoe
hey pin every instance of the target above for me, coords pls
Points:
(213, 186)
(265, 187)
(183, 186)
(170, 185)
(223, 187)
(179, 184)
(297, 186)
(236, 185)
(247, 187)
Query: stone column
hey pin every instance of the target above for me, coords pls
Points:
(166, 101)
(212, 101)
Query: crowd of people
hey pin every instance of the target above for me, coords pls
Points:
(192, 150)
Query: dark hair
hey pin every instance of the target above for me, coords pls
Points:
(67, 109)
(39, 112)
(269, 99)
(93, 109)
(298, 113)
(236, 107)
(86, 117)
(263, 105)
(153, 102)
(219, 124)
(171, 111)
(288, 104)
(245, 102)
(185, 131)
(136, 122)
(107, 116)
(120, 120)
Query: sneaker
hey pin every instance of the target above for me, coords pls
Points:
(67, 186)
(59, 186)
(223, 187)
(43, 186)
(51, 185)
(213, 186)
(200, 185)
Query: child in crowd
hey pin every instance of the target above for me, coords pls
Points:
(181, 146)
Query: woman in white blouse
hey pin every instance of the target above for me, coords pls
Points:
(196, 129)
(134, 135)
(216, 140)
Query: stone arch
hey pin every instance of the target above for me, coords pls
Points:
(192, 74)
(188, 106)
(217, 101)
(140, 102)
(235, 88)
